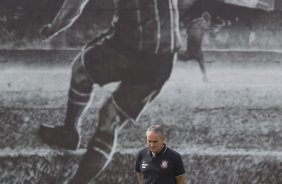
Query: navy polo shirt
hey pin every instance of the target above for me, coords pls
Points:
(161, 168)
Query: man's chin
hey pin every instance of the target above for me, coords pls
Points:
(154, 151)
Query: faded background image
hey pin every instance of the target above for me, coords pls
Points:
(228, 130)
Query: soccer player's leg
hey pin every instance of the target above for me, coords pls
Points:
(67, 135)
(194, 48)
(186, 56)
(201, 62)
(103, 144)
(199, 57)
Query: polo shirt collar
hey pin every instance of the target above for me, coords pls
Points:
(160, 153)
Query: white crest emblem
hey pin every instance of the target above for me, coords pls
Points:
(144, 165)
(164, 164)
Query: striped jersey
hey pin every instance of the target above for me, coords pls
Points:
(150, 26)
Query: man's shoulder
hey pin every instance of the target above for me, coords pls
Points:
(143, 151)
(172, 152)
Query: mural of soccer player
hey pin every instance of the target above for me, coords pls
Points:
(137, 50)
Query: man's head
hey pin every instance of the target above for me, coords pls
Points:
(155, 138)
(205, 15)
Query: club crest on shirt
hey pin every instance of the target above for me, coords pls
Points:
(144, 165)
(164, 164)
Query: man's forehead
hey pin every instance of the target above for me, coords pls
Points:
(153, 135)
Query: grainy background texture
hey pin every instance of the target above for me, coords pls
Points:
(228, 130)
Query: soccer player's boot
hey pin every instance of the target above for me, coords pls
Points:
(59, 136)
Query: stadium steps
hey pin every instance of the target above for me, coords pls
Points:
(228, 131)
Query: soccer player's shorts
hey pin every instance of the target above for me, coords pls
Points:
(194, 46)
(141, 75)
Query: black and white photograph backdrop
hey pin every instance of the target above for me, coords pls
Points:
(221, 106)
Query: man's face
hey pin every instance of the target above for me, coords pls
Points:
(155, 142)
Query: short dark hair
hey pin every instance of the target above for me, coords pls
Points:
(156, 129)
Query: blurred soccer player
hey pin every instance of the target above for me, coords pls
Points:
(195, 33)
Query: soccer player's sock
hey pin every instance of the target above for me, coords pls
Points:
(77, 102)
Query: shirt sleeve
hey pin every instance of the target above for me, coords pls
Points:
(179, 166)
(137, 162)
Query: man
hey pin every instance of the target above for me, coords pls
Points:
(138, 50)
(158, 163)
(195, 33)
